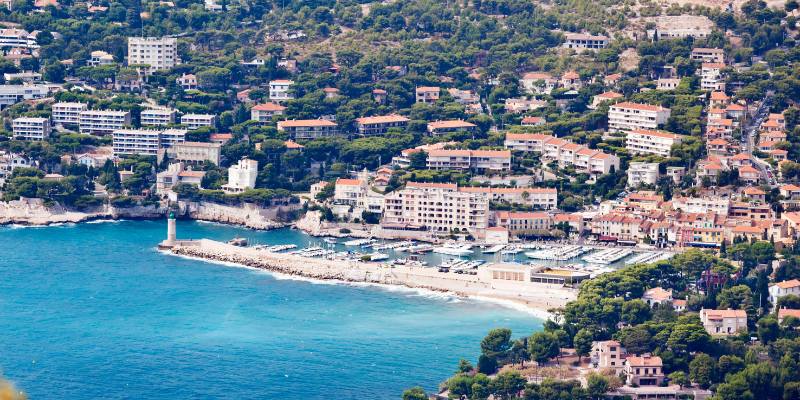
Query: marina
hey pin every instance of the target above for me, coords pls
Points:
(563, 253)
(607, 256)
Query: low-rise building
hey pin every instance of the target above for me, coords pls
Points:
(667, 83)
(349, 191)
(67, 113)
(642, 173)
(723, 322)
(309, 128)
(785, 288)
(645, 141)
(28, 128)
(427, 94)
(196, 121)
(657, 295)
(680, 26)
(176, 174)
(187, 81)
(644, 370)
(479, 160)
(608, 354)
(627, 116)
(533, 121)
(281, 90)
(103, 122)
(195, 152)
(99, 57)
(13, 94)
(263, 113)
(444, 127)
(708, 55)
(584, 41)
(241, 176)
(370, 126)
(538, 82)
(601, 98)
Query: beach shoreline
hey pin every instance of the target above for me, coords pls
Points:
(533, 298)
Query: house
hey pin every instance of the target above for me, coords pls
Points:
(263, 113)
(187, 81)
(427, 94)
(99, 57)
(608, 354)
(604, 97)
(708, 55)
(349, 191)
(748, 174)
(584, 42)
(517, 106)
(643, 370)
(175, 174)
(657, 295)
(538, 82)
(571, 80)
(533, 121)
(723, 322)
(667, 83)
(784, 313)
(719, 99)
(280, 90)
(754, 194)
(785, 288)
(679, 26)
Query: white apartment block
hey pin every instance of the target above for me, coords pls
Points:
(27, 128)
(438, 208)
(701, 205)
(541, 198)
(594, 162)
(242, 176)
(158, 117)
(13, 94)
(18, 38)
(642, 173)
(349, 191)
(480, 160)
(145, 142)
(785, 288)
(711, 77)
(309, 129)
(195, 121)
(627, 116)
(103, 122)
(67, 113)
(723, 322)
(280, 90)
(583, 41)
(708, 55)
(156, 53)
(171, 137)
(644, 141)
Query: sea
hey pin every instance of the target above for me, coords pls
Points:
(94, 310)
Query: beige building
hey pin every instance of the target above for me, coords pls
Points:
(103, 122)
(436, 207)
(627, 116)
(156, 53)
(479, 160)
(645, 141)
(30, 128)
(541, 198)
(520, 223)
(644, 370)
(308, 128)
(594, 162)
(263, 113)
(369, 126)
(195, 152)
(708, 55)
(444, 127)
(657, 295)
(723, 322)
(427, 94)
(608, 354)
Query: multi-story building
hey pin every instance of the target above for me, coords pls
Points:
(242, 176)
(308, 128)
(427, 94)
(785, 288)
(349, 191)
(644, 370)
(680, 26)
(617, 227)
(13, 94)
(541, 198)
(156, 53)
(702, 205)
(711, 77)
(642, 173)
(67, 113)
(644, 141)
(583, 41)
(27, 128)
(627, 116)
(103, 122)
(369, 126)
(187, 81)
(175, 174)
(538, 82)
(657, 296)
(99, 57)
(723, 322)
(667, 83)
(594, 162)
(195, 152)
(523, 223)
(608, 354)
(18, 38)
(436, 207)
(158, 117)
(144, 142)
(708, 55)
(263, 113)
(281, 90)
(444, 127)
(196, 121)
(479, 160)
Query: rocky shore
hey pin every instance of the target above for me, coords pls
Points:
(536, 298)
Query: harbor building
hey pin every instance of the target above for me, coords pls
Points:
(66, 113)
(156, 53)
(627, 116)
(28, 128)
(103, 122)
(242, 176)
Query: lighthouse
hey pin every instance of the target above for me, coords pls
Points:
(171, 233)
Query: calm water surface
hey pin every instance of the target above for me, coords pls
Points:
(94, 311)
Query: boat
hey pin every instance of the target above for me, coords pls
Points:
(359, 242)
(420, 248)
(454, 250)
(238, 241)
(494, 249)
(378, 257)
(330, 240)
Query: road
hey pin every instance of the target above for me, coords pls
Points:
(749, 135)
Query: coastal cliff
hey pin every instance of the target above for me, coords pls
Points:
(248, 215)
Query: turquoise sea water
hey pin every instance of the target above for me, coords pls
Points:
(94, 311)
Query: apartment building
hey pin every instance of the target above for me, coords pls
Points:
(645, 141)
(27, 128)
(308, 128)
(594, 162)
(158, 117)
(444, 127)
(478, 160)
(196, 121)
(281, 90)
(438, 208)
(370, 126)
(464, 96)
(523, 223)
(617, 227)
(13, 94)
(627, 116)
(241, 176)
(157, 53)
(67, 113)
(711, 77)
(642, 173)
(103, 122)
(723, 322)
(19, 38)
(349, 191)
(263, 113)
(541, 198)
(144, 142)
(584, 42)
(195, 152)
(702, 205)
(708, 55)
(427, 94)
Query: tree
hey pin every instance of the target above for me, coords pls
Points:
(418, 160)
(415, 393)
(583, 342)
(597, 385)
(768, 329)
(679, 378)
(507, 385)
(702, 370)
(543, 346)
(464, 366)
(497, 343)
(486, 364)
(636, 340)
(635, 312)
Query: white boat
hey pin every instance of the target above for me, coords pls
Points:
(330, 240)
(358, 242)
(454, 250)
(378, 257)
(494, 249)
(420, 248)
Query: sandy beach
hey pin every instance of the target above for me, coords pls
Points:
(533, 297)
